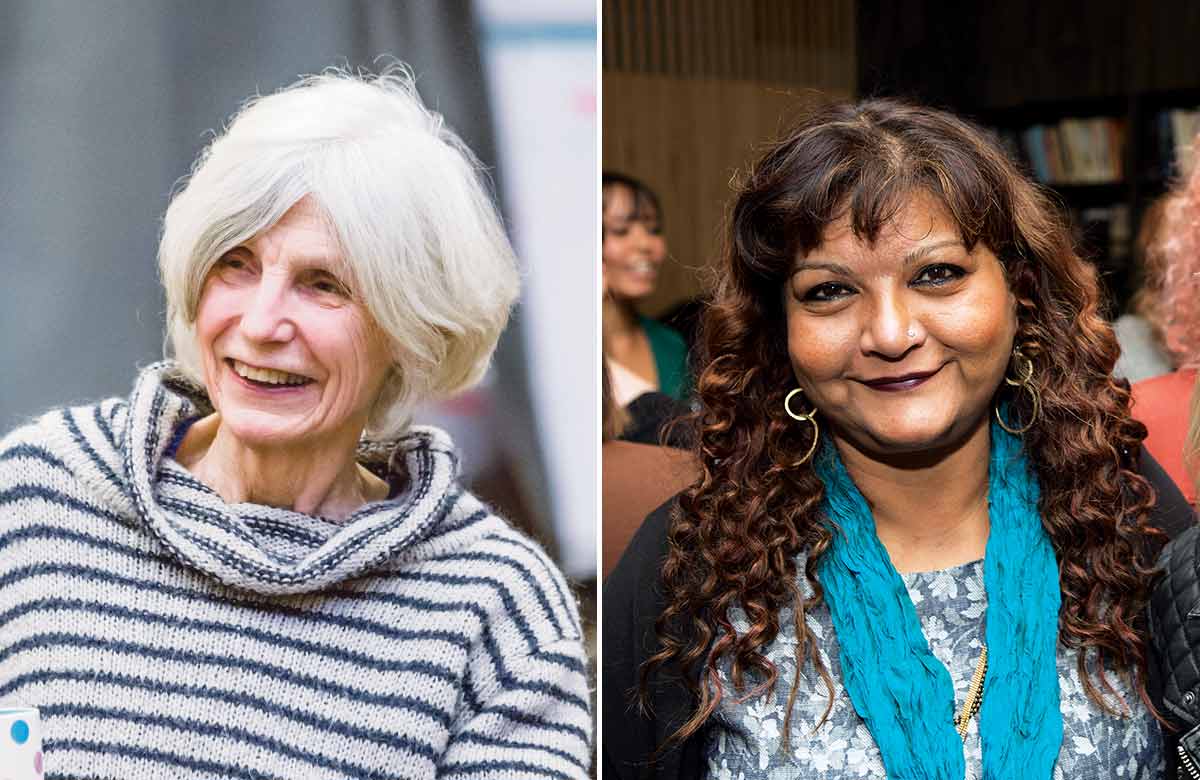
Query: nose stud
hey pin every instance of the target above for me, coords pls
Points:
(912, 334)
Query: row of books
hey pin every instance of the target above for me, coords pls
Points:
(1075, 151)
(1090, 151)
(1176, 132)
(1106, 233)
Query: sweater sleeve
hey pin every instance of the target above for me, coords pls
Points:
(534, 721)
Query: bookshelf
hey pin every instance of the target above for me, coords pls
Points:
(1106, 159)
(1022, 63)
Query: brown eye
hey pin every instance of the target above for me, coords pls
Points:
(233, 262)
(939, 274)
(828, 291)
(323, 283)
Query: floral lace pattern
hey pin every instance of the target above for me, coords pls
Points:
(746, 741)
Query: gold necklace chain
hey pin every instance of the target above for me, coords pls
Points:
(974, 696)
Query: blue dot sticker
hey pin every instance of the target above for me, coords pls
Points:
(20, 731)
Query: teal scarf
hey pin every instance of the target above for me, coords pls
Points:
(897, 686)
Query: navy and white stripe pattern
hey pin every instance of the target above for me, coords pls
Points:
(164, 633)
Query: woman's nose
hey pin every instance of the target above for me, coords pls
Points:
(892, 329)
(265, 317)
(645, 239)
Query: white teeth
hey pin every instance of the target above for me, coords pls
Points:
(267, 375)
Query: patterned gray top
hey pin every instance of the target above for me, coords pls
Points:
(746, 740)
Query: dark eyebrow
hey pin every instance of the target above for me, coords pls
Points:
(836, 268)
(922, 251)
(911, 257)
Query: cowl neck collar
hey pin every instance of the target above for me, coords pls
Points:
(265, 549)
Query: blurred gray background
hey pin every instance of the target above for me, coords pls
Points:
(106, 104)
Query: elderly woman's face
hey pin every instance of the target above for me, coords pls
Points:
(289, 356)
(900, 345)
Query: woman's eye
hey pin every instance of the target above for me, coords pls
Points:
(939, 274)
(233, 263)
(327, 284)
(828, 291)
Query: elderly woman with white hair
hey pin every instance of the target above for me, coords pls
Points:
(254, 566)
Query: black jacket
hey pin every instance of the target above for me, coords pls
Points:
(1175, 660)
(633, 600)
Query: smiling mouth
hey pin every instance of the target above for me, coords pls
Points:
(266, 378)
(898, 384)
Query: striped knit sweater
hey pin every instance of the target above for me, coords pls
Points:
(164, 633)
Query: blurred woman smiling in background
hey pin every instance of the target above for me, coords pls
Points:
(643, 354)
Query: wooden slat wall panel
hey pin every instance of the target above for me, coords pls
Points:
(687, 138)
(692, 87)
(791, 41)
(608, 43)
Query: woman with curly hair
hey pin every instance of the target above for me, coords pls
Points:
(924, 531)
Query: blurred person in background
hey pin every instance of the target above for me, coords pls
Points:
(1172, 297)
(255, 564)
(636, 475)
(922, 539)
(1175, 662)
(644, 355)
(1139, 331)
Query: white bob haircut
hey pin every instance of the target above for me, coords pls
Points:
(424, 249)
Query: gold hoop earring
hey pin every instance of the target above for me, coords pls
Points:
(1024, 381)
(808, 417)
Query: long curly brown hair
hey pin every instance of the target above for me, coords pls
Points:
(735, 537)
